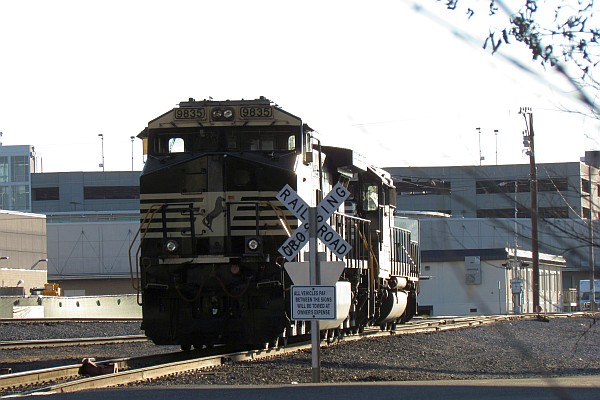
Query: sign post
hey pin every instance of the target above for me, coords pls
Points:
(314, 226)
(315, 279)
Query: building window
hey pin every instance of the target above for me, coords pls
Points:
(585, 186)
(553, 212)
(111, 192)
(585, 214)
(4, 198)
(502, 186)
(543, 212)
(20, 169)
(20, 197)
(3, 169)
(422, 187)
(502, 213)
(553, 185)
(46, 193)
(523, 186)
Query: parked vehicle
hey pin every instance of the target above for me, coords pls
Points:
(585, 294)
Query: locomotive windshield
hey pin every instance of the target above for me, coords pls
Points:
(170, 141)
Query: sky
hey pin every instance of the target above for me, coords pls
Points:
(393, 83)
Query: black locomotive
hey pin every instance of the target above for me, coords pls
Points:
(208, 264)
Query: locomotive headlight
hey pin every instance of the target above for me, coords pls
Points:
(217, 113)
(222, 114)
(253, 244)
(171, 246)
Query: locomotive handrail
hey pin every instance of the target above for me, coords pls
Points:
(407, 264)
(149, 216)
(410, 259)
(372, 258)
(364, 239)
(281, 217)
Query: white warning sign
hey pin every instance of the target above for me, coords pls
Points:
(315, 302)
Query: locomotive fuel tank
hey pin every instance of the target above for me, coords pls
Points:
(393, 305)
(343, 299)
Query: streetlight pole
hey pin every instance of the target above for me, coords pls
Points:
(102, 139)
(496, 133)
(37, 262)
(480, 157)
(132, 137)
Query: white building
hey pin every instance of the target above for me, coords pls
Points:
(487, 281)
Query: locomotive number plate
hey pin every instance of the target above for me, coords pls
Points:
(256, 112)
(190, 113)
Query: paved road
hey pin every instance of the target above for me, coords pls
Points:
(575, 388)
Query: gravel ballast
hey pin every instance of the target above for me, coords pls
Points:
(510, 349)
(503, 350)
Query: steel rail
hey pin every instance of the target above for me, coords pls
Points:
(22, 344)
(38, 377)
(46, 320)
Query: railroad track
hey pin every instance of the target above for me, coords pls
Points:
(56, 320)
(130, 370)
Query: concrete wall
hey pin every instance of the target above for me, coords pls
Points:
(89, 249)
(95, 287)
(120, 306)
(9, 277)
(22, 239)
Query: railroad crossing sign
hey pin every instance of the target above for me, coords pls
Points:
(289, 198)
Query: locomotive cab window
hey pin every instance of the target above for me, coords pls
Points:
(178, 142)
(168, 144)
(176, 145)
(261, 141)
(370, 197)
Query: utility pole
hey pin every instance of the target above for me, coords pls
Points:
(591, 234)
(535, 255)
